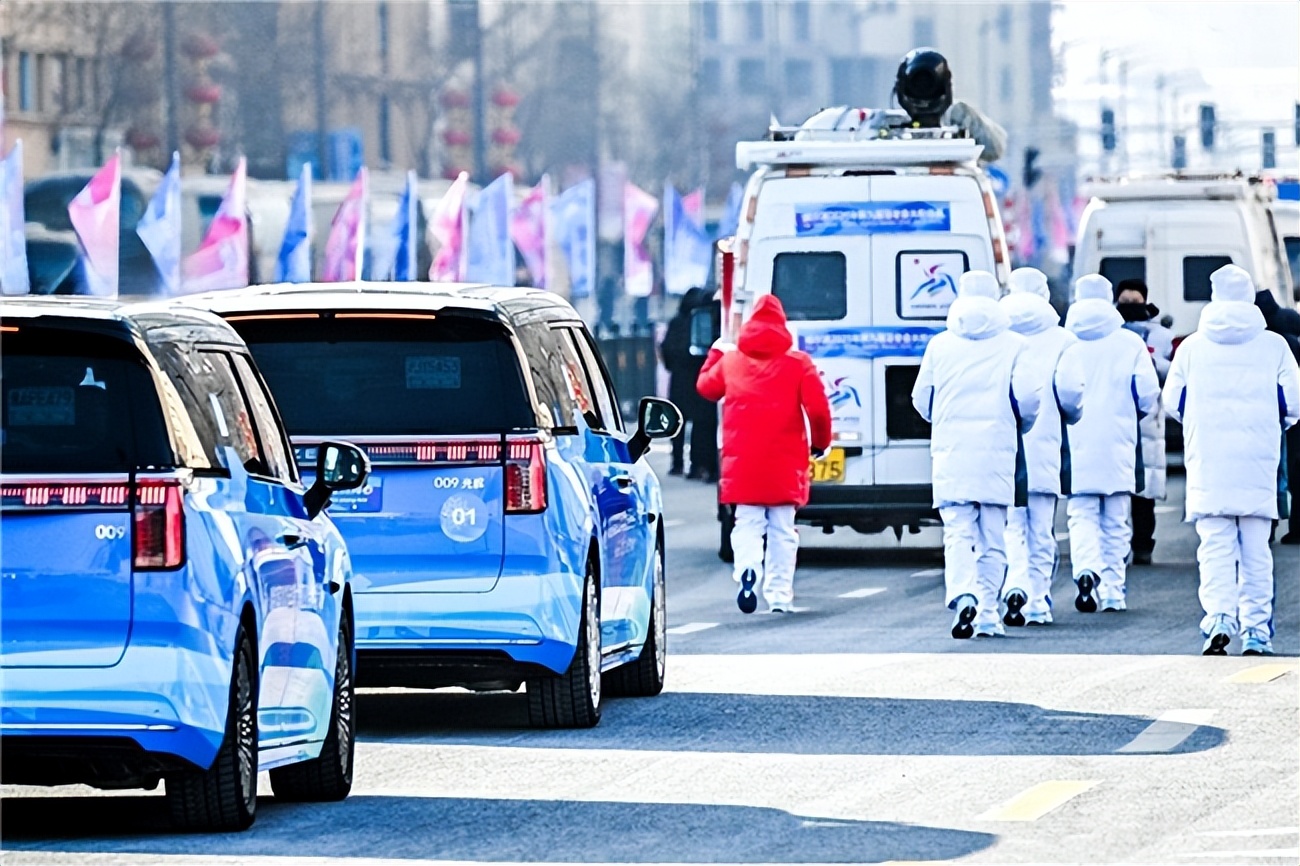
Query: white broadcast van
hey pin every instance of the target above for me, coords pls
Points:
(1174, 231)
(862, 232)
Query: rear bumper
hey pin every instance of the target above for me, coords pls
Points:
(870, 506)
(158, 708)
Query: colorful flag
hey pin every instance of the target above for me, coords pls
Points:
(96, 215)
(221, 261)
(574, 217)
(345, 246)
(160, 229)
(489, 255)
(639, 209)
(688, 252)
(293, 264)
(731, 211)
(403, 232)
(13, 243)
(447, 233)
(528, 230)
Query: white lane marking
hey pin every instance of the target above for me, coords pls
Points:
(1271, 831)
(1168, 509)
(865, 592)
(669, 524)
(929, 572)
(1168, 731)
(1259, 674)
(1269, 853)
(1035, 802)
(691, 627)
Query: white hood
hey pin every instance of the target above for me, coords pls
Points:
(977, 318)
(1093, 318)
(1029, 313)
(1230, 322)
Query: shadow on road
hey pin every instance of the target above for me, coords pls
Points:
(773, 724)
(535, 831)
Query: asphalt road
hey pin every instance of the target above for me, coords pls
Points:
(854, 730)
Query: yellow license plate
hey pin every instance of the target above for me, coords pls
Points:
(830, 468)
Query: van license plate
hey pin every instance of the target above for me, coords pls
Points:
(830, 468)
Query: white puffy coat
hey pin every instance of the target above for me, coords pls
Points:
(1235, 387)
(974, 380)
(1103, 448)
(1038, 322)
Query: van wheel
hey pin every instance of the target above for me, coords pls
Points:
(327, 778)
(224, 796)
(572, 699)
(644, 678)
(727, 522)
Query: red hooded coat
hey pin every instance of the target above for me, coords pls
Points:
(770, 389)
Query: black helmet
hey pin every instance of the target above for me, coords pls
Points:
(924, 85)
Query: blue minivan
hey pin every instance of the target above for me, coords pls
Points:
(174, 604)
(509, 533)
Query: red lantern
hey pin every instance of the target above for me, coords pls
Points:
(202, 137)
(200, 46)
(455, 99)
(204, 93)
(506, 136)
(505, 98)
(142, 139)
(457, 138)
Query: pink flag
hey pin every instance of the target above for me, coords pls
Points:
(95, 214)
(693, 205)
(447, 232)
(345, 247)
(639, 209)
(528, 230)
(221, 261)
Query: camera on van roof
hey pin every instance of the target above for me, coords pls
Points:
(924, 86)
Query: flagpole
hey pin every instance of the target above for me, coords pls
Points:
(359, 256)
(411, 201)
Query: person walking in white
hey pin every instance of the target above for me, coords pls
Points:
(976, 388)
(1105, 445)
(1032, 549)
(1235, 387)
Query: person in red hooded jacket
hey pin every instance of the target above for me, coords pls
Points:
(774, 400)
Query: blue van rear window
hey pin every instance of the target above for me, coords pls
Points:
(389, 376)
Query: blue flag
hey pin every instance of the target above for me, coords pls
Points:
(688, 252)
(403, 232)
(731, 212)
(574, 218)
(160, 229)
(293, 265)
(490, 256)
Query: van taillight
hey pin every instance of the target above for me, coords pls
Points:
(526, 477)
(158, 526)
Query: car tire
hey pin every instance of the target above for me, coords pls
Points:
(224, 796)
(572, 699)
(644, 678)
(727, 522)
(327, 778)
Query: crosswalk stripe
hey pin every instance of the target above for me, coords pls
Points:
(1268, 853)
(1270, 831)
(865, 592)
(1260, 674)
(1168, 731)
(691, 627)
(929, 572)
(1036, 802)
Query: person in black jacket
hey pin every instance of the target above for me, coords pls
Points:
(1287, 323)
(683, 369)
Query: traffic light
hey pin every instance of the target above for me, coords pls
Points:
(1107, 130)
(1207, 126)
(1179, 159)
(1268, 144)
(1032, 173)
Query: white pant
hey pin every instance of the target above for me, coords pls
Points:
(974, 555)
(1236, 571)
(1100, 534)
(1032, 551)
(775, 569)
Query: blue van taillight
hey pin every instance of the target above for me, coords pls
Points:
(158, 526)
(526, 477)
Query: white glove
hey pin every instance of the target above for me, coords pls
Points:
(723, 346)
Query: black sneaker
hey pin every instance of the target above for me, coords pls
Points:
(1086, 602)
(747, 600)
(1292, 537)
(1015, 601)
(961, 623)
(1141, 557)
(676, 470)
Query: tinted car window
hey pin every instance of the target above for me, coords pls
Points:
(542, 352)
(1116, 268)
(1293, 259)
(1196, 275)
(230, 411)
(46, 202)
(599, 378)
(77, 402)
(386, 376)
(270, 433)
(576, 379)
(811, 286)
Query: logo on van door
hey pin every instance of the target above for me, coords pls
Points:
(927, 282)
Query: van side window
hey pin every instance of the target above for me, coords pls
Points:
(1196, 275)
(1116, 268)
(811, 286)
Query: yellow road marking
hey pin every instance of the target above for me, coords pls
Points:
(1037, 801)
(1260, 674)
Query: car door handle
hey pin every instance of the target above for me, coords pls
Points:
(291, 541)
(624, 481)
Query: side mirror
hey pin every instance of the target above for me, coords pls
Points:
(339, 466)
(656, 419)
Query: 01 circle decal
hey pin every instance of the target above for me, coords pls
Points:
(464, 517)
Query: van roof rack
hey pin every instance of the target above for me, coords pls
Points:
(1176, 185)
